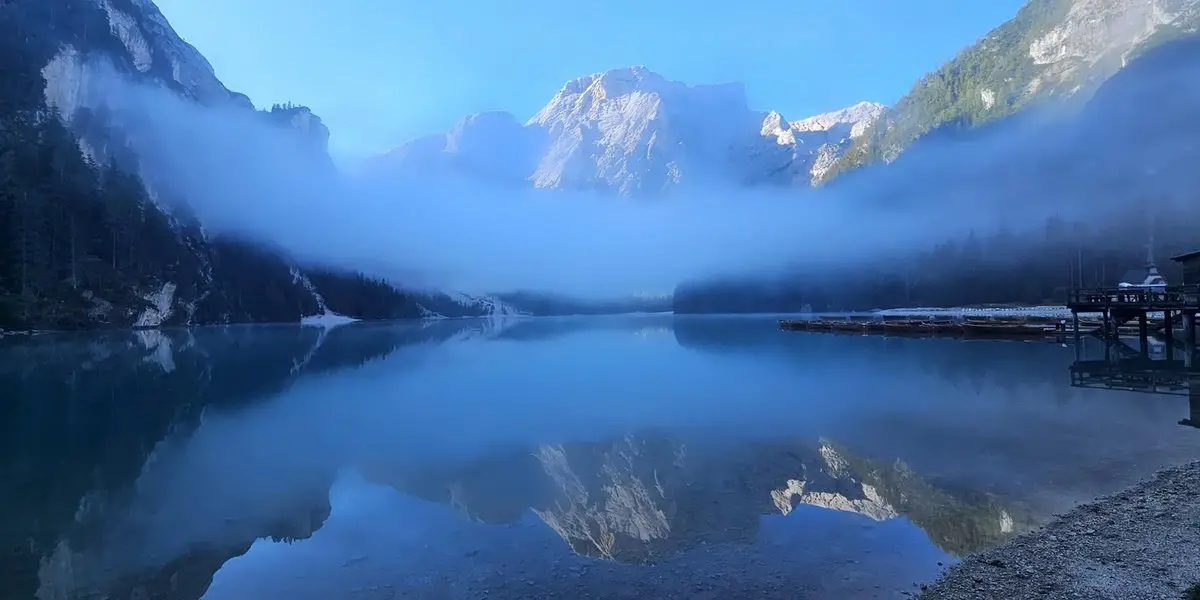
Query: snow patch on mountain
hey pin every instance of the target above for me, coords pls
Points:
(775, 126)
(324, 318)
(851, 121)
(301, 279)
(444, 305)
(429, 315)
(634, 132)
(816, 143)
(486, 306)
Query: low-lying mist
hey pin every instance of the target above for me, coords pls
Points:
(242, 174)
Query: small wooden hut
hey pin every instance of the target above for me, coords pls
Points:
(1191, 267)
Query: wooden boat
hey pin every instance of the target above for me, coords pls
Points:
(905, 327)
(947, 327)
(847, 325)
(796, 324)
(876, 326)
(1005, 329)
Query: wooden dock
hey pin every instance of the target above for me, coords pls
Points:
(1171, 307)
(1138, 311)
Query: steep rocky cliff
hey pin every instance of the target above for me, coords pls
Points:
(94, 235)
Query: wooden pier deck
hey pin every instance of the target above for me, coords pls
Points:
(1170, 307)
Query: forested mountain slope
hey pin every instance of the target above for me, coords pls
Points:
(1051, 51)
(1103, 183)
(85, 242)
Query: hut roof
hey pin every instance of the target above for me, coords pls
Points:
(1142, 277)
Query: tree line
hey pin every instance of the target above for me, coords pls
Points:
(1030, 267)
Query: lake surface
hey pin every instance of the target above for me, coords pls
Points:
(615, 457)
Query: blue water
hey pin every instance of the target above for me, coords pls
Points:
(615, 457)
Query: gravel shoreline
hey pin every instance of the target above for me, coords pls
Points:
(1143, 542)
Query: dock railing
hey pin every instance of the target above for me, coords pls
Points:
(1183, 297)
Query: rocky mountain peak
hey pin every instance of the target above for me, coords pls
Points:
(617, 82)
(157, 51)
(774, 124)
(634, 132)
(308, 125)
(478, 128)
(858, 117)
(635, 90)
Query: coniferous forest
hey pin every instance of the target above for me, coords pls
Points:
(82, 244)
(77, 238)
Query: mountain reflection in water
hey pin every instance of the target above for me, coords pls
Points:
(405, 460)
(641, 498)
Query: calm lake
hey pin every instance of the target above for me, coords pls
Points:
(608, 457)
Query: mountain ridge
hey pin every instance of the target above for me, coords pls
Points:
(1050, 51)
(633, 132)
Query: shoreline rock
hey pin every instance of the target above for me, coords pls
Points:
(1139, 543)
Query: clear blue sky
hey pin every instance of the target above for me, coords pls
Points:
(380, 72)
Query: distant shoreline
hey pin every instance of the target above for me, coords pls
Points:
(1138, 543)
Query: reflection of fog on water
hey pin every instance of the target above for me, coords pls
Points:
(141, 463)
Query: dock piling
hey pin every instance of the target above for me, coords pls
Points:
(1143, 334)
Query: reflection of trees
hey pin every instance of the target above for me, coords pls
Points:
(642, 498)
(82, 413)
(548, 327)
(71, 572)
(968, 363)
(960, 522)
